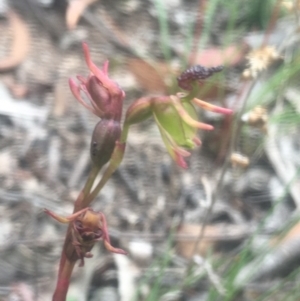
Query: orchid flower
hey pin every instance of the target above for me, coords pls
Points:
(104, 96)
(176, 116)
(87, 228)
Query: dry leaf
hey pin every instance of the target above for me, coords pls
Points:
(75, 10)
(186, 248)
(240, 160)
(17, 90)
(292, 234)
(60, 96)
(20, 45)
(230, 56)
(150, 77)
(188, 235)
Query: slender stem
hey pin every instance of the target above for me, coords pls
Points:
(62, 286)
(124, 133)
(66, 266)
(202, 4)
(107, 174)
(235, 133)
(114, 163)
(86, 189)
(272, 23)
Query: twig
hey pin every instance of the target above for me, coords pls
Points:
(284, 169)
(213, 277)
(235, 133)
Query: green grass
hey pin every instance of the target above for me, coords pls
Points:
(271, 90)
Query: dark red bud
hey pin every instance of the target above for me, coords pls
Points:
(104, 138)
(99, 94)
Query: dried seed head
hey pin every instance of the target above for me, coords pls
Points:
(240, 160)
(257, 117)
(259, 60)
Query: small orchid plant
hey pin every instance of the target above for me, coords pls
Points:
(176, 118)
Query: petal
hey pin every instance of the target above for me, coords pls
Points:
(82, 79)
(187, 118)
(170, 141)
(177, 153)
(66, 219)
(207, 106)
(110, 248)
(76, 92)
(180, 161)
(105, 67)
(106, 239)
(197, 141)
(96, 108)
(111, 86)
(172, 122)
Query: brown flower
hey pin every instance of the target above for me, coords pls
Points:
(88, 227)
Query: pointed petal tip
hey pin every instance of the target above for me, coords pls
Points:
(224, 111)
(74, 88)
(205, 126)
(110, 248)
(85, 47)
(105, 67)
(197, 141)
(180, 162)
(93, 68)
(210, 107)
(179, 159)
(72, 83)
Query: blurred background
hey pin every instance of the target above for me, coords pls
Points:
(224, 229)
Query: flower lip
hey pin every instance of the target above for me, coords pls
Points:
(196, 74)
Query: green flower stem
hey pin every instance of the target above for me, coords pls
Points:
(114, 163)
(124, 133)
(79, 204)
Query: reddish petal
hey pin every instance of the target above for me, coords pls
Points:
(197, 141)
(66, 219)
(105, 67)
(187, 118)
(101, 75)
(208, 106)
(110, 248)
(106, 239)
(180, 160)
(97, 110)
(76, 92)
(82, 79)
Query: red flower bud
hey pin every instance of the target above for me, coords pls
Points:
(105, 97)
(104, 138)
